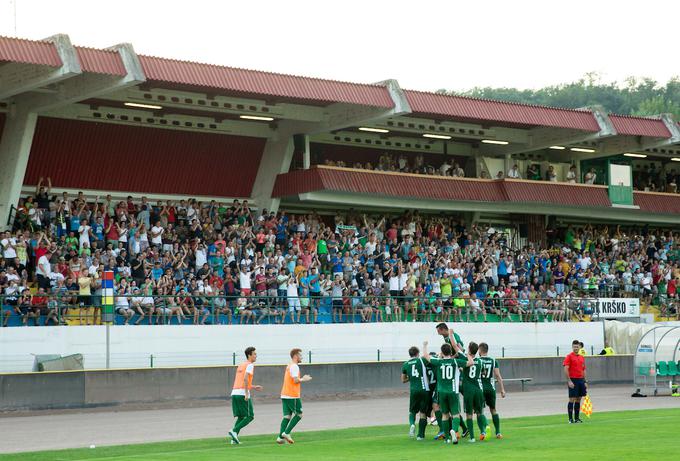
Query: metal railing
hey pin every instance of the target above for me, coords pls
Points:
(72, 309)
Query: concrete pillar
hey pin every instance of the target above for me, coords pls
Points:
(306, 160)
(15, 148)
(276, 159)
(508, 164)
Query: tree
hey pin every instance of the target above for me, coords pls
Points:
(636, 96)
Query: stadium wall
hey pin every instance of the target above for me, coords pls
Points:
(133, 159)
(77, 389)
(188, 345)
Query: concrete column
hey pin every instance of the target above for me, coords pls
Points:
(508, 164)
(306, 161)
(15, 148)
(276, 159)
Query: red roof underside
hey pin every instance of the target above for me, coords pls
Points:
(263, 83)
(29, 52)
(482, 110)
(639, 126)
(100, 61)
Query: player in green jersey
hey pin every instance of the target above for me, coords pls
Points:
(473, 397)
(446, 332)
(491, 375)
(450, 337)
(415, 372)
(448, 371)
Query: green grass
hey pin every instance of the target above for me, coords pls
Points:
(621, 436)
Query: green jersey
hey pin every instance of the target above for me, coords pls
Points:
(458, 340)
(472, 375)
(448, 374)
(489, 364)
(416, 370)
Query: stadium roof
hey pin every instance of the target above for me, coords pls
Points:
(214, 79)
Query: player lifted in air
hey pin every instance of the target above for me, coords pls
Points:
(491, 375)
(290, 397)
(448, 371)
(415, 372)
(241, 403)
(450, 337)
(473, 397)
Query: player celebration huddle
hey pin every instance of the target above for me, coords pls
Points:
(438, 380)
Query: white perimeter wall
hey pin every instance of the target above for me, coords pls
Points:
(132, 346)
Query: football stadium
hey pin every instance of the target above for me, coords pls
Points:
(220, 251)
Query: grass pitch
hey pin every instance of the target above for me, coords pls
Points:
(621, 436)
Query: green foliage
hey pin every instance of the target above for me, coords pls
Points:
(620, 436)
(635, 96)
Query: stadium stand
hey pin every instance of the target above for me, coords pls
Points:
(518, 211)
(224, 263)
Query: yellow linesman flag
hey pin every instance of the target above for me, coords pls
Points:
(587, 406)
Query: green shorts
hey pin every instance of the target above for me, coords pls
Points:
(490, 397)
(420, 402)
(291, 406)
(473, 401)
(240, 407)
(449, 403)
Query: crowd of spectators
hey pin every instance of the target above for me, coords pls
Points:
(219, 262)
(645, 177)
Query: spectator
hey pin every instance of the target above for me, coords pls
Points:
(513, 173)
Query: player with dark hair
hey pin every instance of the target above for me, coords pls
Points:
(473, 397)
(575, 372)
(450, 337)
(448, 373)
(290, 397)
(415, 372)
(241, 403)
(490, 376)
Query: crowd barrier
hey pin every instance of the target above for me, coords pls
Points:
(34, 310)
(77, 389)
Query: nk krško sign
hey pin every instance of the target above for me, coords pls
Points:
(611, 308)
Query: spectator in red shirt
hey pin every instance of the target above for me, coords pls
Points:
(575, 371)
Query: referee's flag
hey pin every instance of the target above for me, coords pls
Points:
(587, 406)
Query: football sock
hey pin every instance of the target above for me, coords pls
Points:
(496, 423)
(422, 424)
(284, 425)
(471, 428)
(242, 422)
(570, 410)
(462, 423)
(481, 423)
(237, 424)
(438, 415)
(577, 410)
(411, 419)
(455, 422)
(293, 422)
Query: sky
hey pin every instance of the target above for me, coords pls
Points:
(425, 45)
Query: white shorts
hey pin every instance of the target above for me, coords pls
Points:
(294, 304)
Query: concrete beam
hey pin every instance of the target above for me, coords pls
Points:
(18, 78)
(339, 116)
(86, 86)
(543, 138)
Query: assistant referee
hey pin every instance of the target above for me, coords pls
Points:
(575, 371)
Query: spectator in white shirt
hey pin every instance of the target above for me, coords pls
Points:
(513, 173)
